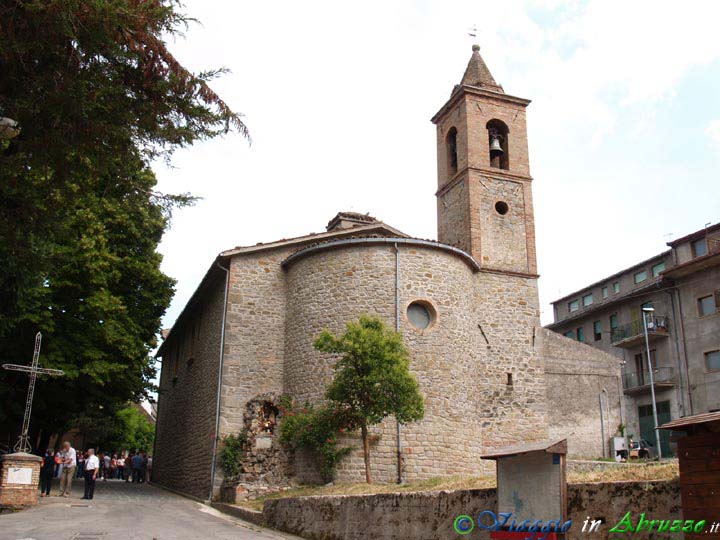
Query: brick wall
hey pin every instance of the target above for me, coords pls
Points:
(18, 495)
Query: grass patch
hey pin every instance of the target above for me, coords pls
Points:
(638, 472)
(624, 473)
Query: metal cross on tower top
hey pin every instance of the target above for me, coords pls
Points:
(23, 444)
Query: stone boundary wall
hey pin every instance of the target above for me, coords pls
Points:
(430, 515)
(575, 375)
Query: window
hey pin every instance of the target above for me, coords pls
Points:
(569, 334)
(587, 300)
(421, 314)
(498, 144)
(712, 360)
(597, 330)
(658, 268)
(452, 150)
(616, 287)
(605, 292)
(706, 305)
(501, 207)
(699, 247)
(640, 276)
(613, 321)
(573, 306)
(580, 335)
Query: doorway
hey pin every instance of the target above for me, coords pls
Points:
(647, 425)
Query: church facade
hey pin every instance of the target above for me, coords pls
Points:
(466, 304)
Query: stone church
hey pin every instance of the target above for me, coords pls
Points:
(466, 304)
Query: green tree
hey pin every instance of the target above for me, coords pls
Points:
(136, 431)
(372, 377)
(97, 96)
(316, 429)
(126, 428)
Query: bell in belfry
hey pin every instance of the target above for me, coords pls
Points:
(495, 145)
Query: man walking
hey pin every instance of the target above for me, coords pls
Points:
(137, 465)
(92, 464)
(69, 462)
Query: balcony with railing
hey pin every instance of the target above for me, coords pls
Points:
(633, 334)
(638, 382)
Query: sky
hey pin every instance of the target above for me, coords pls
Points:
(624, 124)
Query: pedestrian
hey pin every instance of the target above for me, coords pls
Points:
(143, 470)
(106, 468)
(80, 465)
(69, 463)
(58, 463)
(137, 465)
(128, 466)
(101, 468)
(121, 467)
(46, 472)
(92, 464)
(148, 474)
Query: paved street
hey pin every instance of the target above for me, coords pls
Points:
(125, 511)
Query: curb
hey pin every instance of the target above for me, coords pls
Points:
(253, 516)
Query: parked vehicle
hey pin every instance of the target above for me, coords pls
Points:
(642, 449)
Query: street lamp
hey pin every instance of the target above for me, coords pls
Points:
(645, 311)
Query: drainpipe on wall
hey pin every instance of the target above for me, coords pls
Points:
(603, 419)
(397, 329)
(675, 330)
(685, 356)
(219, 382)
(621, 398)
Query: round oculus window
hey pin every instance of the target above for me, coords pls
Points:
(420, 314)
(501, 207)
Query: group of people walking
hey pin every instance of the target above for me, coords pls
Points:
(68, 463)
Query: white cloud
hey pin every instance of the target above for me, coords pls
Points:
(713, 133)
(338, 98)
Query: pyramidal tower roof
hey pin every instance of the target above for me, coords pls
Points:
(478, 75)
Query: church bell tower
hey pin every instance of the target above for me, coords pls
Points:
(484, 197)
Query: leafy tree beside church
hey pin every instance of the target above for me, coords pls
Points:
(97, 96)
(372, 378)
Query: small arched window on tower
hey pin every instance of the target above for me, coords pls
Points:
(452, 157)
(498, 144)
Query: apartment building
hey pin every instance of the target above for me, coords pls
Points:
(682, 285)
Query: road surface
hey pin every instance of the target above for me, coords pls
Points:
(126, 511)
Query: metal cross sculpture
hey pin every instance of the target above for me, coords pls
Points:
(23, 444)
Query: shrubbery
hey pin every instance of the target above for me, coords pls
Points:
(315, 429)
(231, 452)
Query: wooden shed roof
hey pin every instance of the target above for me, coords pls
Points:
(693, 420)
(549, 447)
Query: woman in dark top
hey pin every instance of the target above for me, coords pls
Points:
(46, 473)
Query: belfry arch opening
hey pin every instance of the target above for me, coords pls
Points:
(452, 155)
(498, 147)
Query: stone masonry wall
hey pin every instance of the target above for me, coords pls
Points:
(576, 374)
(255, 332)
(430, 515)
(511, 385)
(469, 405)
(502, 237)
(186, 401)
(453, 214)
